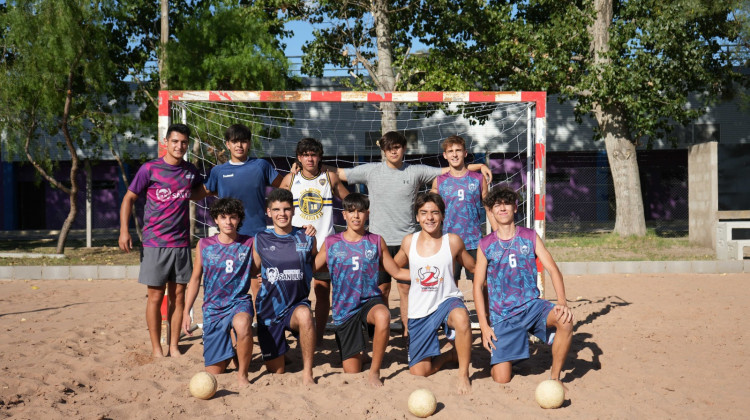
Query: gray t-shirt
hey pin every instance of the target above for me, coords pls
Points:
(392, 193)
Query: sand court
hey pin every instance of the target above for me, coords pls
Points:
(645, 346)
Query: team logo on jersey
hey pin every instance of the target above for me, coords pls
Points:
(369, 253)
(163, 194)
(473, 186)
(322, 181)
(525, 249)
(303, 246)
(272, 274)
(311, 204)
(242, 255)
(272, 248)
(429, 276)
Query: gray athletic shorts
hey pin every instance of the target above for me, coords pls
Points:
(162, 265)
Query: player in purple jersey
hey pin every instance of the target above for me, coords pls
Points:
(169, 183)
(354, 258)
(224, 261)
(462, 191)
(284, 256)
(506, 263)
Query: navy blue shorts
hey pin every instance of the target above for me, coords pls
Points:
(423, 338)
(272, 339)
(217, 341)
(513, 333)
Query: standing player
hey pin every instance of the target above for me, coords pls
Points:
(506, 263)
(243, 178)
(224, 262)
(462, 191)
(284, 255)
(354, 258)
(313, 189)
(169, 184)
(434, 297)
(392, 186)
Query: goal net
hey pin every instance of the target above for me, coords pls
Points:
(505, 130)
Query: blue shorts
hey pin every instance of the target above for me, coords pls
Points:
(217, 341)
(513, 333)
(423, 338)
(272, 339)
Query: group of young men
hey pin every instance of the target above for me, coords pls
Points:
(354, 267)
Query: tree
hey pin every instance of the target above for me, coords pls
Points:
(631, 65)
(375, 34)
(61, 91)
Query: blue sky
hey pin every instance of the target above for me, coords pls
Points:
(302, 32)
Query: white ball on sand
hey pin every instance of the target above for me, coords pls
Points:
(422, 403)
(550, 394)
(203, 385)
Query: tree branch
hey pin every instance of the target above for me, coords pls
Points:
(401, 68)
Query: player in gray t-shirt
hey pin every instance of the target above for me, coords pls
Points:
(392, 186)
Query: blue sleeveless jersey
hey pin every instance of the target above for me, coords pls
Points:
(354, 273)
(226, 277)
(286, 271)
(463, 206)
(511, 273)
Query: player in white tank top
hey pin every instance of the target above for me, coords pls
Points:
(432, 298)
(313, 204)
(432, 278)
(313, 189)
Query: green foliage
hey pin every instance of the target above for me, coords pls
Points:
(51, 46)
(660, 53)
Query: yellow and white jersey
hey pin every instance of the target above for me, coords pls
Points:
(313, 204)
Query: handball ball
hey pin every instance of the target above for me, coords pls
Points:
(203, 385)
(550, 394)
(422, 403)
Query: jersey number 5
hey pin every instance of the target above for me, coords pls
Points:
(355, 262)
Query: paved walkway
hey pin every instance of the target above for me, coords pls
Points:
(119, 272)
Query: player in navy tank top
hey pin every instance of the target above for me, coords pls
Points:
(284, 256)
(506, 263)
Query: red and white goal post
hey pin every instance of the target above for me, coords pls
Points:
(173, 106)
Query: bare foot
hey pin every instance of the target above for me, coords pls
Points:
(174, 351)
(373, 378)
(242, 380)
(464, 385)
(307, 379)
(157, 352)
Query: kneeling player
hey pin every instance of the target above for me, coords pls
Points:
(432, 296)
(284, 255)
(224, 261)
(354, 259)
(506, 262)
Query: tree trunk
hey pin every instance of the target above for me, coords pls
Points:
(74, 164)
(621, 154)
(386, 78)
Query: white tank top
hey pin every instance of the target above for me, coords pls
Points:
(313, 204)
(431, 279)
